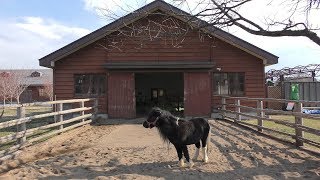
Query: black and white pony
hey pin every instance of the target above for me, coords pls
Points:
(181, 133)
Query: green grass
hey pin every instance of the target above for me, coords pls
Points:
(11, 113)
(312, 123)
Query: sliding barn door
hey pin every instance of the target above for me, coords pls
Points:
(121, 98)
(197, 94)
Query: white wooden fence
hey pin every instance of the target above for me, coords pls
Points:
(232, 108)
(22, 132)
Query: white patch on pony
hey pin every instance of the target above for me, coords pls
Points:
(177, 122)
(196, 154)
(181, 163)
(205, 154)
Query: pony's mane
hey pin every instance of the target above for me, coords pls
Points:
(163, 137)
(166, 115)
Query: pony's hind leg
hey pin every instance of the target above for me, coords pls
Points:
(196, 154)
(205, 142)
(186, 155)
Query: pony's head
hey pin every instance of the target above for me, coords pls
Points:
(153, 118)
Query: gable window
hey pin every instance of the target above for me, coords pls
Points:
(36, 74)
(89, 84)
(228, 84)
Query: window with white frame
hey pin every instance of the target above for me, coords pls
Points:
(89, 84)
(229, 83)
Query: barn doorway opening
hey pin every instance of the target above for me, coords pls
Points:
(163, 89)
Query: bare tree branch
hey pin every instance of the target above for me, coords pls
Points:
(292, 21)
(18, 84)
(12, 85)
(289, 29)
(48, 90)
(4, 86)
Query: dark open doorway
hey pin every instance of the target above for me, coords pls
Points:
(164, 90)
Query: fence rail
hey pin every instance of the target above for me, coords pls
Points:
(19, 139)
(237, 111)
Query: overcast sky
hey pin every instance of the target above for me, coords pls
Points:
(31, 29)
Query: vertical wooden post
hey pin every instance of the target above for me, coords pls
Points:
(238, 109)
(223, 107)
(260, 114)
(60, 116)
(95, 108)
(55, 109)
(21, 113)
(298, 121)
(82, 112)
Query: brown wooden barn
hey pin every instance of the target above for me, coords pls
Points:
(156, 56)
(36, 81)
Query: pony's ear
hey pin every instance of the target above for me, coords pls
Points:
(156, 109)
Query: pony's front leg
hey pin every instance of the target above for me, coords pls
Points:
(186, 155)
(179, 152)
(205, 154)
(205, 143)
(196, 154)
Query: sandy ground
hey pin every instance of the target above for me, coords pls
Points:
(129, 151)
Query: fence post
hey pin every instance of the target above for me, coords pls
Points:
(238, 109)
(60, 116)
(95, 108)
(260, 114)
(21, 113)
(82, 112)
(223, 107)
(298, 121)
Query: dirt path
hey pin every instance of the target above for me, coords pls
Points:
(130, 151)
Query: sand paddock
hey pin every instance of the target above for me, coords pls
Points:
(129, 151)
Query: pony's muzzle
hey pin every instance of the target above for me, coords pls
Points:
(146, 124)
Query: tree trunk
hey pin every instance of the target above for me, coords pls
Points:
(18, 99)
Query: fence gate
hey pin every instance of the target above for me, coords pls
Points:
(276, 93)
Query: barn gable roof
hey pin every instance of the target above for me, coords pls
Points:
(30, 76)
(48, 61)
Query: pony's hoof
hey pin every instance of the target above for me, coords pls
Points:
(181, 163)
(195, 158)
(190, 164)
(206, 159)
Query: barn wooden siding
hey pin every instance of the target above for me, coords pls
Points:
(91, 59)
(87, 60)
(136, 49)
(35, 93)
(232, 59)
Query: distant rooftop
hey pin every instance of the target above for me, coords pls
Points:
(33, 77)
